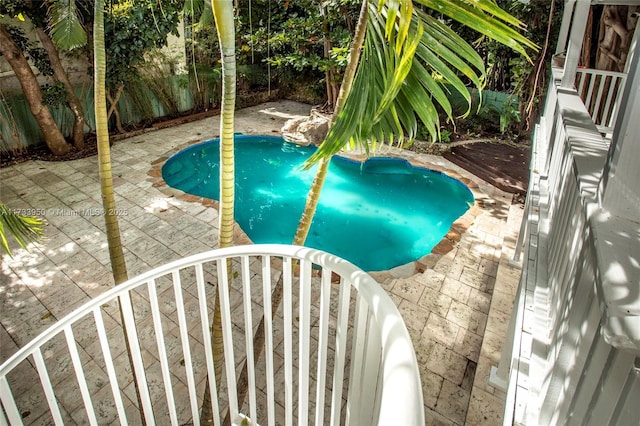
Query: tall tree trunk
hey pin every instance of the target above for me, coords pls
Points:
(60, 75)
(347, 82)
(224, 19)
(116, 254)
(114, 242)
(52, 135)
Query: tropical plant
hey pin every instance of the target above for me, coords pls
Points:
(135, 28)
(310, 37)
(47, 59)
(393, 83)
(10, 141)
(116, 254)
(24, 228)
(31, 89)
(223, 14)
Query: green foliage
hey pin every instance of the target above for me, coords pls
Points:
(11, 141)
(157, 73)
(36, 54)
(297, 35)
(283, 34)
(66, 28)
(206, 85)
(24, 228)
(509, 114)
(445, 135)
(507, 70)
(54, 94)
(133, 28)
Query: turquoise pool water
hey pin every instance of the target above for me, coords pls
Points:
(378, 214)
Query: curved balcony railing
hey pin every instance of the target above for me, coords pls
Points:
(335, 350)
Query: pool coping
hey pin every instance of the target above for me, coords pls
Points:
(448, 242)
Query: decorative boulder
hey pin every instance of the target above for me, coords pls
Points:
(307, 130)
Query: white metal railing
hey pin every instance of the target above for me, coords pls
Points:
(336, 351)
(563, 367)
(601, 92)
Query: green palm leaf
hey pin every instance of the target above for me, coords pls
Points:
(493, 23)
(25, 229)
(66, 29)
(395, 84)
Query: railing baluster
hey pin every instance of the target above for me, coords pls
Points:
(46, 386)
(616, 101)
(356, 373)
(3, 420)
(136, 357)
(82, 381)
(597, 114)
(588, 100)
(583, 77)
(342, 327)
(208, 351)
(108, 361)
(248, 336)
(227, 337)
(186, 349)
(304, 331)
(9, 403)
(371, 364)
(268, 333)
(162, 351)
(288, 340)
(323, 343)
(614, 87)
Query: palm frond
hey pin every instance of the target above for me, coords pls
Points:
(408, 59)
(66, 29)
(25, 229)
(206, 16)
(487, 18)
(193, 7)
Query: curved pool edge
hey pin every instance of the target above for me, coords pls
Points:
(446, 245)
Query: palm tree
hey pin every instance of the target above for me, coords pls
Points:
(116, 255)
(391, 86)
(223, 14)
(224, 20)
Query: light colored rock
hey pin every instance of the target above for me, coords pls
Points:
(307, 130)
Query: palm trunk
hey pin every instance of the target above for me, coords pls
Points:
(72, 100)
(223, 14)
(31, 89)
(116, 254)
(349, 75)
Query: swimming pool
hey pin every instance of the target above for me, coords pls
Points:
(378, 214)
